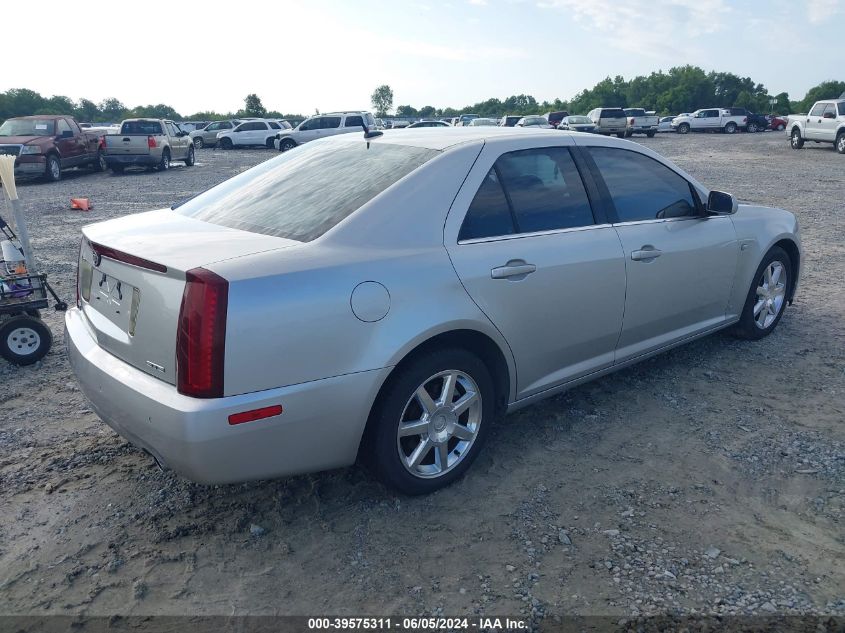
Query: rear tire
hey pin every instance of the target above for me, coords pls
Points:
(767, 296)
(100, 163)
(269, 143)
(840, 143)
(795, 139)
(118, 169)
(189, 161)
(24, 340)
(752, 128)
(198, 142)
(391, 454)
(53, 171)
(621, 135)
(164, 163)
(650, 134)
(730, 128)
(781, 127)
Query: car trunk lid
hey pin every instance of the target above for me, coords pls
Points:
(132, 275)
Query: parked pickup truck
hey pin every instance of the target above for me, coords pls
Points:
(824, 124)
(641, 122)
(609, 121)
(148, 143)
(753, 122)
(709, 120)
(45, 145)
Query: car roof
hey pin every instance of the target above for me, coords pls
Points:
(443, 138)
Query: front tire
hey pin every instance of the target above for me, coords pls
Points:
(795, 139)
(226, 143)
(198, 142)
(191, 159)
(287, 144)
(431, 421)
(24, 340)
(683, 128)
(53, 172)
(840, 143)
(767, 297)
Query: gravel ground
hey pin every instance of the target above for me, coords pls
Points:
(708, 480)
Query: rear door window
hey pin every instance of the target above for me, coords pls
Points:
(275, 125)
(354, 121)
(642, 188)
(330, 122)
(529, 191)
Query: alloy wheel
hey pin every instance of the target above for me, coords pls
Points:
(771, 294)
(439, 424)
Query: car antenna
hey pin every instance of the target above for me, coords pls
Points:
(368, 134)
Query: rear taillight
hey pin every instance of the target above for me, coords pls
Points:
(151, 142)
(78, 261)
(201, 336)
(631, 121)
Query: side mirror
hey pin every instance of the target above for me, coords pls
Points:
(67, 134)
(829, 115)
(721, 203)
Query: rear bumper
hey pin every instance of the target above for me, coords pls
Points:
(132, 159)
(320, 426)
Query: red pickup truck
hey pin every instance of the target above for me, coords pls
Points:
(45, 145)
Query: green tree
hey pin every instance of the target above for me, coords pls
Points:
(427, 111)
(112, 110)
(406, 110)
(382, 100)
(253, 106)
(825, 90)
(87, 111)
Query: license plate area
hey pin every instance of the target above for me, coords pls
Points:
(115, 299)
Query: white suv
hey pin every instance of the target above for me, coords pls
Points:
(250, 132)
(323, 125)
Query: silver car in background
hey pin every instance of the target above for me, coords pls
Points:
(388, 298)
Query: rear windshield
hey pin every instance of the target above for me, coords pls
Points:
(635, 112)
(141, 127)
(304, 192)
(28, 127)
(612, 113)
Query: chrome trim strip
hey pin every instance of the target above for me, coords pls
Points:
(659, 220)
(513, 236)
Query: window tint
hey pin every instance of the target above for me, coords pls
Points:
(141, 127)
(275, 125)
(641, 187)
(331, 122)
(225, 125)
(354, 121)
(489, 214)
(311, 124)
(545, 189)
(300, 195)
(63, 126)
(171, 129)
(817, 110)
(842, 109)
(214, 126)
(612, 113)
(830, 109)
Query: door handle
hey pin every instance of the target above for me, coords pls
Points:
(514, 268)
(646, 254)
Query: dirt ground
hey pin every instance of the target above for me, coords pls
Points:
(710, 479)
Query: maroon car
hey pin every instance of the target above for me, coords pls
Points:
(777, 123)
(45, 145)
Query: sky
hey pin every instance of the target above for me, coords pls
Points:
(326, 55)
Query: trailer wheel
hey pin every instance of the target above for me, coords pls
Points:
(24, 340)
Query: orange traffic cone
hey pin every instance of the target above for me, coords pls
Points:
(82, 204)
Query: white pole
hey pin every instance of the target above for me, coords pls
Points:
(7, 176)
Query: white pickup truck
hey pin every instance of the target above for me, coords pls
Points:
(641, 122)
(709, 120)
(824, 124)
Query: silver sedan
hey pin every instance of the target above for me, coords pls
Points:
(388, 298)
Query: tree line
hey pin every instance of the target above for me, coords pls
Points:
(681, 89)
(25, 102)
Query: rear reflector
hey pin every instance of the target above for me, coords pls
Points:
(126, 258)
(201, 336)
(255, 414)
